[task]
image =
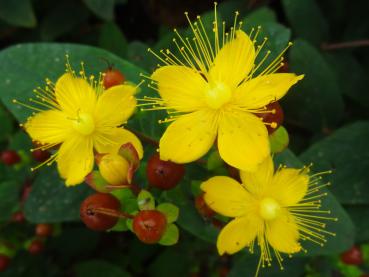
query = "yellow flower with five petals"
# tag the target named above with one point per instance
(211, 93)
(77, 114)
(277, 210)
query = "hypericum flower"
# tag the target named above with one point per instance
(275, 209)
(211, 91)
(79, 115)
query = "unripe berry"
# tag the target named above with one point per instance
(113, 77)
(36, 247)
(273, 117)
(4, 262)
(40, 155)
(43, 230)
(352, 256)
(91, 211)
(164, 174)
(10, 157)
(202, 207)
(149, 226)
(114, 169)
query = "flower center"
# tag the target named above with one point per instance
(84, 124)
(269, 208)
(218, 95)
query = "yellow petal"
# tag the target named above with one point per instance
(74, 95)
(226, 196)
(242, 140)
(115, 105)
(289, 186)
(189, 137)
(75, 159)
(238, 234)
(282, 233)
(257, 181)
(181, 88)
(110, 140)
(51, 127)
(263, 90)
(234, 61)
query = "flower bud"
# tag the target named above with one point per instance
(114, 169)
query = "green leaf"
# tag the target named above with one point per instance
(315, 102)
(56, 23)
(51, 201)
(343, 228)
(129, 223)
(260, 16)
(170, 211)
(306, 20)
(24, 72)
(9, 199)
(354, 85)
(145, 200)
(102, 8)
(99, 268)
(112, 39)
(279, 140)
(7, 124)
(18, 13)
(137, 53)
(246, 264)
(346, 152)
(170, 236)
(357, 213)
(214, 161)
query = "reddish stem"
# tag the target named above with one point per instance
(347, 44)
(113, 213)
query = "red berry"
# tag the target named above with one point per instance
(94, 219)
(202, 207)
(164, 174)
(352, 256)
(36, 247)
(44, 230)
(149, 226)
(18, 217)
(4, 262)
(274, 117)
(113, 77)
(10, 157)
(40, 155)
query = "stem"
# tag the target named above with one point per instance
(112, 213)
(347, 44)
(144, 137)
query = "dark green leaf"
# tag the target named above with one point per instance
(102, 8)
(346, 152)
(99, 268)
(51, 201)
(306, 20)
(56, 23)
(18, 13)
(357, 214)
(9, 198)
(112, 39)
(315, 102)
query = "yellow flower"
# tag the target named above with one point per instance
(275, 209)
(79, 115)
(211, 92)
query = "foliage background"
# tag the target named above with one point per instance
(326, 114)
